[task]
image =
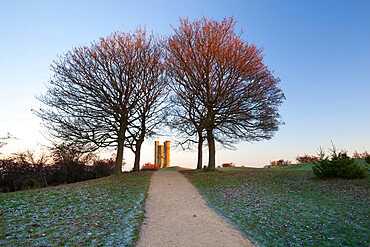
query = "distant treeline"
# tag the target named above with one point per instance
(21, 172)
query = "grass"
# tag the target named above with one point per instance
(289, 207)
(299, 166)
(103, 212)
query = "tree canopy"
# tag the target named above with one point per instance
(214, 71)
(113, 92)
(99, 91)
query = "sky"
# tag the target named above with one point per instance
(320, 49)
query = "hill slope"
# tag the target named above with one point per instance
(106, 211)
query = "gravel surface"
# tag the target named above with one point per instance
(177, 215)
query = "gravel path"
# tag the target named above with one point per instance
(177, 215)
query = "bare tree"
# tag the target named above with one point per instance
(27, 163)
(224, 76)
(150, 110)
(69, 152)
(95, 91)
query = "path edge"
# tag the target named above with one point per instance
(138, 236)
(219, 214)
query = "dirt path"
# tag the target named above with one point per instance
(177, 215)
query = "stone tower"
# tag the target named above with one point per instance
(162, 154)
(166, 153)
(160, 157)
(156, 144)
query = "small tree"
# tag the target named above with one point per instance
(339, 164)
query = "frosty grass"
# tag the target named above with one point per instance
(104, 212)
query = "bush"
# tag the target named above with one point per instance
(280, 163)
(17, 173)
(149, 167)
(226, 165)
(283, 162)
(24, 171)
(102, 168)
(367, 159)
(360, 155)
(338, 165)
(306, 158)
(68, 172)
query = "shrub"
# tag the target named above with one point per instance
(102, 168)
(306, 158)
(280, 162)
(367, 159)
(338, 165)
(24, 171)
(149, 167)
(361, 155)
(225, 165)
(69, 172)
(283, 162)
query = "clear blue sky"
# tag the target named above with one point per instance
(320, 49)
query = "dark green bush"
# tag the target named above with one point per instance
(338, 165)
(367, 159)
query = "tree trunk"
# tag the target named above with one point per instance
(211, 150)
(137, 156)
(138, 146)
(119, 158)
(200, 152)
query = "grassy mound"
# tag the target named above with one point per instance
(289, 207)
(307, 165)
(107, 211)
(174, 168)
(235, 168)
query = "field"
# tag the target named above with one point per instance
(107, 211)
(289, 207)
(273, 207)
